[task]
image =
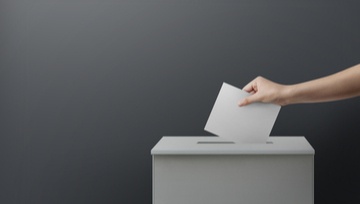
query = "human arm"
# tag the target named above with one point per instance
(341, 85)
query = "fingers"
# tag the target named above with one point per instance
(243, 102)
(250, 87)
(253, 85)
(250, 99)
(257, 88)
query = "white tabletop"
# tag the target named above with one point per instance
(195, 145)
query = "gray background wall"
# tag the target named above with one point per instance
(87, 88)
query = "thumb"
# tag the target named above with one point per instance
(249, 100)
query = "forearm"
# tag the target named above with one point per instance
(341, 85)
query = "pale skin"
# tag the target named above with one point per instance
(341, 85)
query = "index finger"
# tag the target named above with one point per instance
(249, 87)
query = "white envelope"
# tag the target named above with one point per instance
(247, 124)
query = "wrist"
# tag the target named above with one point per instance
(287, 95)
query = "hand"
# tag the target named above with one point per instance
(266, 91)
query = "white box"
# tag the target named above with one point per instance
(208, 170)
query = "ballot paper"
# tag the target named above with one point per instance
(247, 124)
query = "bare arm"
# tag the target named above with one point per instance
(341, 85)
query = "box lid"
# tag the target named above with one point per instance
(195, 145)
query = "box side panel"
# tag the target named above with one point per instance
(313, 179)
(247, 179)
(153, 179)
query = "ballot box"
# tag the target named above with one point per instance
(210, 170)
